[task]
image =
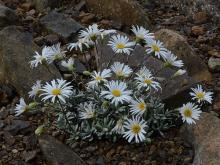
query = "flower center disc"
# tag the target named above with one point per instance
(141, 106)
(119, 73)
(120, 46)
(136, 128)
(188, 113)
(116, 92)
(200, 95)
(155, 48)
(98, 78)
(56, 92)
(148, 81)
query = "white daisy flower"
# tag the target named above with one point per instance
(171, 60)
(80, 44)
(135, 129)
(87, 110)
(180, 72)
(40, 59)
(200, 95)
(147, 81)
(57, 89)
(21, 107)
(68, 64)
(142, 34)
(35, 89)
(121, 44)
(107, 32)
(56, 53)
(157, 48)
(121, 70)
(91, 33)
(190, 112)
(119, 127)
(98, 77)
(138, 107)
(144, 72)
(117, 92)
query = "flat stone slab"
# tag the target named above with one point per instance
(205, 139)
(16, 51)
(56, 153)
(60, 24)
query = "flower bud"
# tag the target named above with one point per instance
(39, 130)
(32, 105)
(86, 73)
(180, 72)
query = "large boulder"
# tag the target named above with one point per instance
(57, 153)
(175, 91)
(16, 51)
(58, 23)
(126, 12)
(7, 17)
(205, 138)
(179, 46)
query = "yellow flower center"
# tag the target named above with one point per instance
(120, 46)
(136, 128)
(119, 73)
(116, 92)
(93, 37)
(200, 95)
(98, 78)
(155, 48)
(141, 106)
(56, 92)
(188, 113)
(148, 81)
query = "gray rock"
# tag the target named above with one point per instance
(214, 64)
(58, 23)
(2, 124)
(100, 161)
(57, 153)
(172, 88)
(16, 50)
(7, 17)
(205, 138)
(126, 12)
(17, 126)
(178, 45)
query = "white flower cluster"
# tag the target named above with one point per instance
(117, 100)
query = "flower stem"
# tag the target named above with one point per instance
(48, 69)
(96, 55)
(64, 114)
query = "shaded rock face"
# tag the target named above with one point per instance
(189, 7)
(41, 5)
(126, 12)
(175, 91)
(57, 153)
(60, 24)
(179, 46)
(7, 17)
(205, 138)
(16, 51)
